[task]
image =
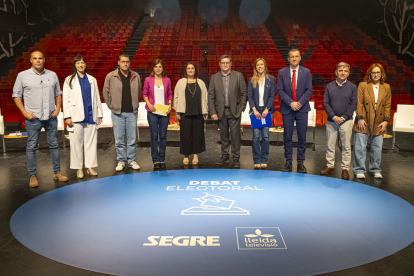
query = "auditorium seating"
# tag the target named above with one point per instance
(183, 40)
(98, 36)
(101, 37)
(323, 45)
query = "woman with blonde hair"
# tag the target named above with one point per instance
(261, 95)
(372, 117)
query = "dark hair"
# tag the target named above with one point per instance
(185, 70)
(123, 55)
(155, 63)
(74, 70)
(293, 50)
(225, 56)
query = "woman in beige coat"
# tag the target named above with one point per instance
(372, 117)
(190, 104)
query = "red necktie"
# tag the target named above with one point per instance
(294, 85)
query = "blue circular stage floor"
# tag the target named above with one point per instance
(215, 222)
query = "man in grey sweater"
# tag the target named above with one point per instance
(340, 102)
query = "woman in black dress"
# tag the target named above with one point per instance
(191, 106)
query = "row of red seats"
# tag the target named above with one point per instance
(99, 37)
(322, 58)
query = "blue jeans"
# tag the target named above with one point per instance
(158, 125)
(260, 150)
(125, 122)
(361, 140)
(33, 128)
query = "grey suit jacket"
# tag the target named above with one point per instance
(237, 94)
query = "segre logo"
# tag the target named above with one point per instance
(253, 238)
(183, 241)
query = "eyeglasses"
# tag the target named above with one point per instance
(225, 63)
(375, 73)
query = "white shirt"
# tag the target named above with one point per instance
(376, 95)
(261, 93)
(159, 94)
(340, 85)
(291, 75)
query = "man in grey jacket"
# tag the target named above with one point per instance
(121, 92)
(227, 99)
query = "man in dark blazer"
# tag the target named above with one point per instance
(294, 86)
(227, 99)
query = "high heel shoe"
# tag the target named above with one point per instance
(185, 161)
(91, 172)
(79, 174)
(195, 159)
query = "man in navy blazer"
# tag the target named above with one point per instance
(294, 86)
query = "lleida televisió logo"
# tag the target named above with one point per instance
(259, 238)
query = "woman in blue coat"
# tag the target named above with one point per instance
(261, 95)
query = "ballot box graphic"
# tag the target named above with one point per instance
(214, 205)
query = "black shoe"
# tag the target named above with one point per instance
(162, 165)
(222, 160)
(287, 167)
(156, 166)
(301, 168)
(236, 163)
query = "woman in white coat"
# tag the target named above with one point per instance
(82, 111)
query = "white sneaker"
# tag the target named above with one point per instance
(134, 165)
(120, 166)
(360, 175)
(377, 175)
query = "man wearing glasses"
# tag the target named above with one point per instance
(121, 93)
(42, 96)
(227, 100)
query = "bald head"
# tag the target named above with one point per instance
(38, 52)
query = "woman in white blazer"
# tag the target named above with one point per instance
(82, 111)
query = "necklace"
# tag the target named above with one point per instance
(189, 89)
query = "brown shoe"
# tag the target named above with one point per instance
(33, 182)
(59, 176)
(345, 175)
(91, 172)
(327, 171)
(195, 159)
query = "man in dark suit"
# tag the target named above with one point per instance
(227, 99)
(294, 86)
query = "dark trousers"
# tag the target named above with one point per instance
(228, 121)
(301, 119)
(192, 134)
(158, 125)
